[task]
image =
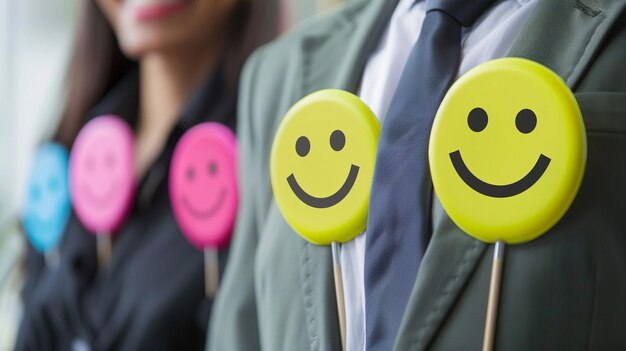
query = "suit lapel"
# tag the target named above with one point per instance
(575, 33)
(563, 35)
(334, 57)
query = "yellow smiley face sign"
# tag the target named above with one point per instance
(322, 164)
(507, 150)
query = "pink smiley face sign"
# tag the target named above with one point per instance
(203, 184)
(102, 176)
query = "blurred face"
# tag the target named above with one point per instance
(144, 26)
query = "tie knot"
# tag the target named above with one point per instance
(465, 12)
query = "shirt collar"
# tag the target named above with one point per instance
(210, 101)
(406, 5)
(122, 100)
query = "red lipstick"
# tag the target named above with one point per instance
(159, 11)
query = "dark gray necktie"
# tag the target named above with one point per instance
(399, 209)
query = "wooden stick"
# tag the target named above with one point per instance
(494, 296)
(105, 248)
(211, 272)
(341, 306)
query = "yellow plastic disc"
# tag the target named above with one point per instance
(322, 164)
(507, 150)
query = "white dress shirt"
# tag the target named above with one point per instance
(490, 37)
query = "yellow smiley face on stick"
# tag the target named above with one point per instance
(322, 164)
(507, 150)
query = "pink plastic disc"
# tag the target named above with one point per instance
(203, 184)
(102, 175)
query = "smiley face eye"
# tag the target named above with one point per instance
(477, 119)
(190, 174)
(526, 121)
(337, 140)
(212, 168)
(303, 146)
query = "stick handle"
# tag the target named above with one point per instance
(341, 306)
(211, 272)
(494, 296)
(105, 248)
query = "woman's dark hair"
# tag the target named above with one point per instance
(98, 63)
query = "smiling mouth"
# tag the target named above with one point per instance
(324, 202)
(500, 191)
(100, 201)
(201, 214)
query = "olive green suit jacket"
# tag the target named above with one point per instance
(563, 291)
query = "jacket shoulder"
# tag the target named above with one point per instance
(271, 77)
(284, 52)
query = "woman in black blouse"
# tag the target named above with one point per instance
(163, 66)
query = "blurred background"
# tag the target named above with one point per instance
(36, 39)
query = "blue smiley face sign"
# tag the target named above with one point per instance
(47, 205)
